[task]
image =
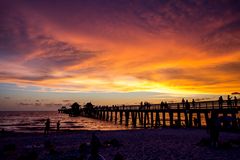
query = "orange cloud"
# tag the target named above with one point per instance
(153, 48)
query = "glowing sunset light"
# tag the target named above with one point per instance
(88, 47)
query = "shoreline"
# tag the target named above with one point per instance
(166, 143)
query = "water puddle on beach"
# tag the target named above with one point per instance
(35, 122)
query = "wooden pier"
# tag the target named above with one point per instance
(172, 115)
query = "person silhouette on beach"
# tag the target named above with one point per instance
(118, 157)
(47, 126)
(183, 102)
(238, 122)
(95, 145)
(58, 125)
(220, 102)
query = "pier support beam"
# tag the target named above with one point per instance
(140, 118)
(152, 120)
(186, 118)
(134, 119)
(104, 116)
(157, 121)
(116, 116)
(164, 119)
(171, 118)
(107, 117)
(199, 119)
(145, 119)
(111, 116)
(126, 117)
(190, 118)
(121, 114)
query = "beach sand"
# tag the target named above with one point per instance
(148, 144)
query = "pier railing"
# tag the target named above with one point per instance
(196, 105)
(146, 115)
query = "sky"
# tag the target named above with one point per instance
(53, 53)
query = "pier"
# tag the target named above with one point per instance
(170, 115)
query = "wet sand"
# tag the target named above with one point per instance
(146, 144)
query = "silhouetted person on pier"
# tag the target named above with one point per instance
(214, 129)
(193, 103)
(146, 105)
(229, 101)
(47, 126)
(187, 105)
(166, 105)
(58, 125)
(235, 101)
(162, 105)
(183, 102)
(141, 105)
(220, 102)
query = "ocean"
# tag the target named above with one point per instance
(34, 121)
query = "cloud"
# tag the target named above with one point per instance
(53, 104)
(25, 104)
(32, 55)
(55, 54)
(67, 100)
(229, 68)
(224, 39)
(127, 46)
(38, 104)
